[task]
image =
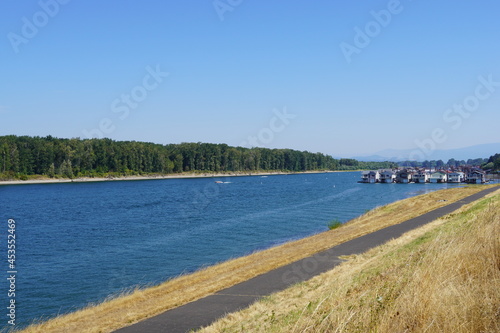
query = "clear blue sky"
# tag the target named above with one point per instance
(67, 67)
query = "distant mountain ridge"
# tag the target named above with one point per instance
(398, 155)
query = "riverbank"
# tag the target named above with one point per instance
(145, 303)
(441, 277)
(187, 175)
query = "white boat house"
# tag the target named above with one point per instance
(456, 177)
(387, 176)
(421, 177)
(438, 177)
(371, 176)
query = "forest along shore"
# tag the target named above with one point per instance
(33, 158)
(152, 177)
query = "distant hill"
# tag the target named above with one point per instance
(397, 155)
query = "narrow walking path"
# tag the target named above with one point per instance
(204, 311)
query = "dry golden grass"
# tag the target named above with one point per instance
(443, 277)
(142, 304)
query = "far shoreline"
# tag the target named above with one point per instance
(158, 176)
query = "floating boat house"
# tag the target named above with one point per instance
(410, 175)
(456, 177)
(387, 176)
(370, 176)
(438, 177)
(421, 177)
(404, 176)
(476, 177)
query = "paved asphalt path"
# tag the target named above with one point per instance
(205, 311)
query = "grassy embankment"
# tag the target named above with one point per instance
(443, 277)
(141, 304)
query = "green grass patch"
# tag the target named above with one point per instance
(334, 224)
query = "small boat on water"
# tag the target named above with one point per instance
(219, 182)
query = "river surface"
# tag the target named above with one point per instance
(79, 243)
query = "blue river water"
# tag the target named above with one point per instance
(79, 243)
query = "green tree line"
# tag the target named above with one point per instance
(441, 164)
(24, 156)
(352, 164)
(493, 163)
